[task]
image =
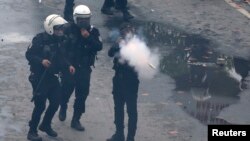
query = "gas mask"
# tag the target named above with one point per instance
(83, 23)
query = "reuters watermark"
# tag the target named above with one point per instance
(241, 132)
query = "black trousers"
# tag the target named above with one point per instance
(48, 89)
(80, 82)
(121, 4)
(125, 91)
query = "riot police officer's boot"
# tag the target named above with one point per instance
(63, 113)
(118, 136)
(131, 130)
(75, 123)
(130, 138)
(47, 129)
(33, 136)
(126, 15)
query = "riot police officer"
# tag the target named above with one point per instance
(125, 89)
(85, 42)
(46, 60)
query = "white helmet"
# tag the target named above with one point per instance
(81, 11)
(51, 21)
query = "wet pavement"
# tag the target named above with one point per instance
(216, 20)
(197, 84)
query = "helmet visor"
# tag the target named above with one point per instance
(58, 30)
(83, 22)
(58, 27)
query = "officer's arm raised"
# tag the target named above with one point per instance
(94, 40)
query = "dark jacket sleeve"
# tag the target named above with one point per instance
(64, 60)
(32, 54)
(94, 41)
(68, 11)
(69, 43)
(66, 52)
(113, 50)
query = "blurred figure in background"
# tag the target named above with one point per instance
(120, 5)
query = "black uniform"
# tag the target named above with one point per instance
(82, 53)
(44, 81)
(125, 91)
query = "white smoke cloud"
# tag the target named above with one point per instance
(138, 55)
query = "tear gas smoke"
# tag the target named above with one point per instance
(138, 55)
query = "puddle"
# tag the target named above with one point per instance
(206, 81)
